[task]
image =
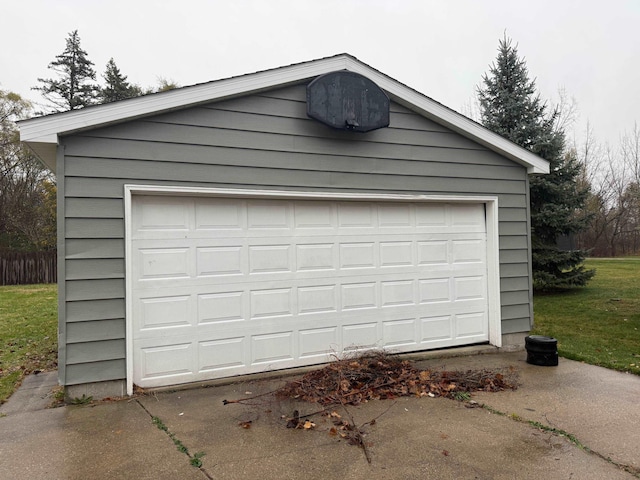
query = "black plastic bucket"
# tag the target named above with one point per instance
(541, 350)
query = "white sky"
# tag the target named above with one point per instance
(440, 48)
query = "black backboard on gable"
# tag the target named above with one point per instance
(347, 101)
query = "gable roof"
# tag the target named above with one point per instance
(41, 133)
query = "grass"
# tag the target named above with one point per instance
(195, 459)
(28, 333)
(599, 324)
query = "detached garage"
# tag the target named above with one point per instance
(271, 220)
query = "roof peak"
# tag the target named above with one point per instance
(41, 134)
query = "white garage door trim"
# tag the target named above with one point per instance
(491, 209)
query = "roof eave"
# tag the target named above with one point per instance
(41, 134)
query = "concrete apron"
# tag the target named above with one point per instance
(411, 438)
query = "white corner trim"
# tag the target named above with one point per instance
(46, 130)
(128, 214)
(493, 272)
(491, 209)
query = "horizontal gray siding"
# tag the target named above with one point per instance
(96, 371)
(78, 311)
(95, 331)
(263, 141)
(95, 268)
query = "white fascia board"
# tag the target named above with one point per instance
(451, 119)
(37, 132)
(45, 130)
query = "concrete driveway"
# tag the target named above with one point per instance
(411, 438)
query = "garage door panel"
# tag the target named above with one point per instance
(394, 215)
(163, 263)
(397, 292)
(317, 299)
(271, 259)
(272, 347)
(166, 360)
(316, 216)
(164, 312)
(316, 256)
(402, 332)
(433, 252)
(220, 215)
(434, 290)
(222, 307)
(318, 342)
(358, 296)
(469, 288)
(220, 261)
(470, 325)
(358, 336)
(468, 251)
(161, 213)
(357, 255)
(226, 286)
(222, 354)
(273, 302)
(469, 216)
(270, 215)
(396, 253)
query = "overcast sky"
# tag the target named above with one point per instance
(441, 48)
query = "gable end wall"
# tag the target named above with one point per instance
(263, 141)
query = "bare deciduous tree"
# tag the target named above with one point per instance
(27, 190)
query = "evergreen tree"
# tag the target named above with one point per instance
(510, 106)
(73, 88)
(116, 85)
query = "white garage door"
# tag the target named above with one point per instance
(227, 286)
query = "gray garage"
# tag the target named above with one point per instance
(224, 228)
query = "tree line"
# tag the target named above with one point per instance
(74, 85)
(591, 195)
(27, 188)
(613, 205)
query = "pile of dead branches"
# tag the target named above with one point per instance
(373, 376)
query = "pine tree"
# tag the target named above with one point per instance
(73, 88)
(116, 85)
(511, 106)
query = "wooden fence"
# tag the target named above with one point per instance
(20, 268)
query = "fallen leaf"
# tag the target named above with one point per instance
(308, 425)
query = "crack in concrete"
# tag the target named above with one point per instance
(194, 459)
(569, 436)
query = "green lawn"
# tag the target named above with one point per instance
(28, 333)
(599, 324)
